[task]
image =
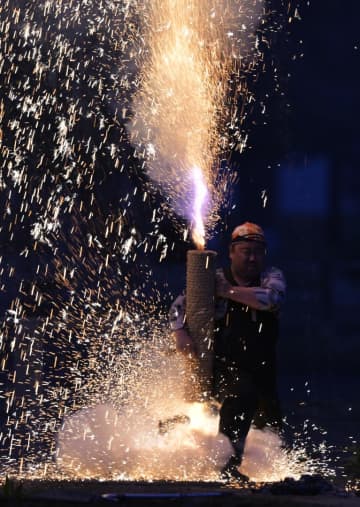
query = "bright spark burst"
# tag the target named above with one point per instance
(267, 459)
(192, 450)
(187, 60)
(75, 270)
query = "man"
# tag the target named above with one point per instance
(246, 332)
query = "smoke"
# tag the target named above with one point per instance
(104, 443)
(128, 441)
(140, 426)
(268, 459)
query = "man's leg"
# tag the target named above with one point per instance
(269, 410)
(236, 414)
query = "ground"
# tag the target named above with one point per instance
(55, 493)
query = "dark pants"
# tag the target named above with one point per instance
(246, 397)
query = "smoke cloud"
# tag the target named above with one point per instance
(124, 438)
(104, 443)
(142, 428)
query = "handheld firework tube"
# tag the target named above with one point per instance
(200, 307)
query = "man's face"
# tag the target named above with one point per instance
(247, 259)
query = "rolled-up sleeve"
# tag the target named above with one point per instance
(273, 289)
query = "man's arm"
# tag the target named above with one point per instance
(268, 297)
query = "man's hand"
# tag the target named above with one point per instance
(184, 343)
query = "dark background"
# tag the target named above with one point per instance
(303, 153)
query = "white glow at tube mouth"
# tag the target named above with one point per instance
(200, 200)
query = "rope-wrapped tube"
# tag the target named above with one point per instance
(200, 309)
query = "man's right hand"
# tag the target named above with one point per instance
(184, 343)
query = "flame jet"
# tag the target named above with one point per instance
(179, 109)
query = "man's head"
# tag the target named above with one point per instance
(247, 251)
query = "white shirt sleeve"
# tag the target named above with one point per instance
(272, 291)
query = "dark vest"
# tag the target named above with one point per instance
(245, 338)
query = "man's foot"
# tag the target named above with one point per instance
(231, 474)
